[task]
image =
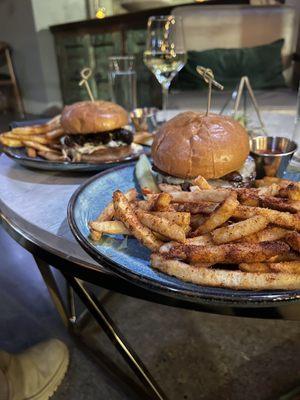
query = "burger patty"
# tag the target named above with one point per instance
(118, 135)
(241, 178)
(76, 147)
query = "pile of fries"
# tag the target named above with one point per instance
(237, 238)
(39, 140)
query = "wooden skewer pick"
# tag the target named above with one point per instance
(208, 77)
(85, 74)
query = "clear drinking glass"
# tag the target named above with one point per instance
(122, 81)
(296, 135)
(165, 53)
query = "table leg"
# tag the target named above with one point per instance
(53, 289)
(115, 336)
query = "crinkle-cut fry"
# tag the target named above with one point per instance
(292, 191)
(202, 183)
(219, 216)
(254, 267)
(212, 195)
(108, 213)
(201, 207)
(182, 219)
(226, 253)
(293, 239)
(162, 202)
(224, 278)
(278, 218)
(161, 225)
(239, 230)
(31, 152)
(109, 227)
(270, 233)
(167, 188)
(125, 213)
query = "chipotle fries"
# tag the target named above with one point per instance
(227, 245)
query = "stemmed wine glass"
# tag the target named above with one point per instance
(165, 53)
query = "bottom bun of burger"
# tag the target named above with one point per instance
(106, 155)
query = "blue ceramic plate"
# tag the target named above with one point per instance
(19, 155)
(130, 260)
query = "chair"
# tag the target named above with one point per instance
(10, 78)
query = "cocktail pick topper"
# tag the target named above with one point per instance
(85, 74)
(208, 77)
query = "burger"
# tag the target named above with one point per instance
(213, 146)
(95, 132)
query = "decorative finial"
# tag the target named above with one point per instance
(208, 77)
(85, 74)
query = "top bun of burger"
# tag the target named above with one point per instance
(87, 117)
(193, 144)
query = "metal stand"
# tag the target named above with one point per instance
(68, 315)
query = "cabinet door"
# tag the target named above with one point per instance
(103, 46)
(73, 55)
(135, 45)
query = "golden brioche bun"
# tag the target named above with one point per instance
(93, 117)
(109, 154)
(193, 144)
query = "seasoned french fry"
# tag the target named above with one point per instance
(268, 234)
(95, 236)
(213, 195)
(125, 213)
(161, 225)
(293, 239)
(292, 191)
(278, 218)
(288, 267)
(200, 240)
(225, 278)
(226, 253)
(109, 227)
(218, 217)
(108, 213)
(239, 229)
(254, 267)
(202, 207)
(165, 187)
(31, 152)
(162, 202)
(179, 218)
(201, 183)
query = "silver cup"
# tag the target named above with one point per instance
(144, 119)
(272, 155)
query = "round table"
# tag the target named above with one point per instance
(33, 210)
